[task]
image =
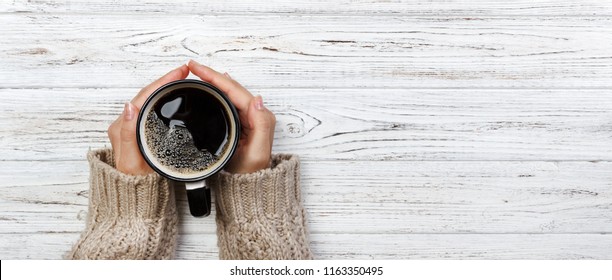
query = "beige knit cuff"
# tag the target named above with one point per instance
(267, 193)
(120, 195)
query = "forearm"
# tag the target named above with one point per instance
(261, 215)
(129, 217)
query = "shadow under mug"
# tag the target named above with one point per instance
(198, 194)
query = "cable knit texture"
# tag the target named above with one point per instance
(129, 217)
(260, 215)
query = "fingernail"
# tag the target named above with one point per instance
(195, 62)
(128, 111)
(227, 75)
(259, 103)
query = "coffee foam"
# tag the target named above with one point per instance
(184, 158)
(145, 134)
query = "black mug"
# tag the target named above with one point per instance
(187, 131)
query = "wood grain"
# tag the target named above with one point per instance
(369, 7)
(346, 124)
(363, 246)
(308, 51)
(461, 246)
(363, 197)
(427, 129)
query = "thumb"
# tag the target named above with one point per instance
(261, 133)
(130, 161)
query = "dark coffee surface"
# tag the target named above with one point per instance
(187, 130)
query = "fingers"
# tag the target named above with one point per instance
(122, 132)
(179, 73)
(130, 160)
(261, 134)
(240, 97)
(114, 131)
(258, 132)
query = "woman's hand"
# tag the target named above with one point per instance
(122, 132)
(255, 146)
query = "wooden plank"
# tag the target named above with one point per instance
(362, 246)
(346, 124)
(316, 51)
(461, 246)
(362, 197)
(36, 246)
(370, 7)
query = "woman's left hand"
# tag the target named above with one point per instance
(122, 132)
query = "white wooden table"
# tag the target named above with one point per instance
(427, 129)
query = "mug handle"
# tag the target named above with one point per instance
(198, 196)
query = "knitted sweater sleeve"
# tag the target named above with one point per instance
(129, 217)
(260, 215)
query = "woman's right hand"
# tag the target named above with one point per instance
(254, 149)
(255, 145)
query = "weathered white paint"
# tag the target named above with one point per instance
(368, 7)
(308, 51)
(404, 199)
(427, 129)
(347, 124)
(365, 246)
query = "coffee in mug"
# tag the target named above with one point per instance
(187, 131)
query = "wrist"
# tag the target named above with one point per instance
(116, 194)
(270, 191)
(247, 166)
